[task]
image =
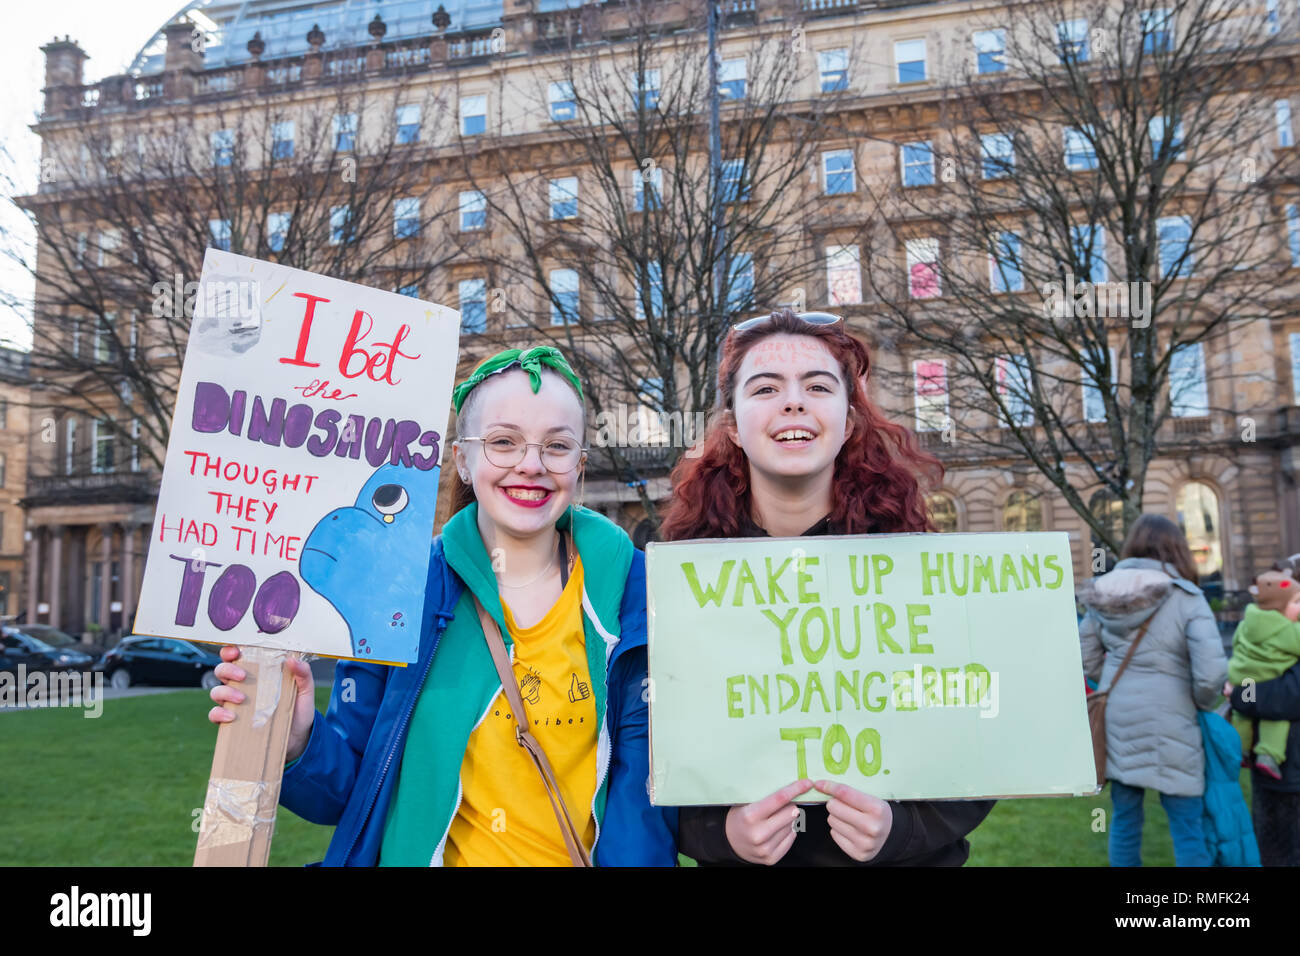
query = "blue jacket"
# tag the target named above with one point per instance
(347, 774)
(1228, 833)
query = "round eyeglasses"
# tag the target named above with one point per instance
(812, 318)
(507, 449)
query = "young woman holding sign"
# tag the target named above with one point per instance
(796, 448)
(475, 754)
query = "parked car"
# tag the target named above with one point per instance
(40, 650)
(159, 660)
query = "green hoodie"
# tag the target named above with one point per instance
(462, 682)
(1265, 645)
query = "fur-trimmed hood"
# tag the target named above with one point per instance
(1132, 592)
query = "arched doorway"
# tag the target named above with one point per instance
(943, 511)
(1198, 518)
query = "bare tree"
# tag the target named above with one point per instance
(1096, 196)
(620, 227)
(340, 186)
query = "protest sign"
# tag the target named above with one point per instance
(907, 666)
(298, 492)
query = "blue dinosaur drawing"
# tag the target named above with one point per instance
(370, 561)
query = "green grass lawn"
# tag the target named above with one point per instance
(126, 788)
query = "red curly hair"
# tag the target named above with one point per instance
(878, 472)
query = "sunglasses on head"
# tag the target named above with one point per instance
(812, 318)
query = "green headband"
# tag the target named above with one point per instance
(530, 361)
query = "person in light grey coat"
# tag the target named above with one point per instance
(1153, 738)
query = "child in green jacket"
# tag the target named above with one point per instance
(1267, 643)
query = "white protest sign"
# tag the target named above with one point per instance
(301, 479)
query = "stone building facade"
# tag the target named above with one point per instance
(87, 510)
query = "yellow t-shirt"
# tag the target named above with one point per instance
(505, 817)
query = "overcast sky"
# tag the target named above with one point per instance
(111, 33)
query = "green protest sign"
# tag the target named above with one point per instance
(908, 666)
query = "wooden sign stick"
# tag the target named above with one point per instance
(247, 765)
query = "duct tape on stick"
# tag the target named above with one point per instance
(234, 809)
(270, 668)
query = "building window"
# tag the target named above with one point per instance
(833, 67)
(1293, 232)
(923, 268)
(990, 51)
(473, 115)
(1005, 274)
(564, 293)
(408, 124)
(843, 275)
(1175, 246)
(1189, 395)
(918, 164)
(646, 86)
(1023, 511)
(740, 283)
(2, 480)
(1015, 384)
(563, 105)
(1198, 519)
(654, 285)
(1094, 404)
(735, 183)
(282, 140)
(909, 58)
(564, 198)
(406, 218)
(223, 147)
(473, 305)
(1108, 511)
(943, 512)
(731, 80)
(345, 132)
(102, 440)
(1079, 151)
(340, 224)
(135, 444)
(4, 413)
(997, 155)
(1282, 120)
(473, 210)
(277, 230)
(102, 348)
(930, 390)
(220, 231)
(1072, 40)
(1157, 31)
(109, 240)
(1273, 20)
(650, 404)
(69, 445)
(410, 291)
(837, 171)
(656, 192)
(1088, 241)
(1295, 367)
(1156, 131)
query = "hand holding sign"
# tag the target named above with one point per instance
(304, 705)
(763, 832)
(860, 823)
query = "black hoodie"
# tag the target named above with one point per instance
(924, 832)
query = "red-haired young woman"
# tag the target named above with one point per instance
(796, 448)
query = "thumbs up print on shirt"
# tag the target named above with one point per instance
(578, 690)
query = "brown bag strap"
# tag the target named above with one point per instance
(1129, 656)
(505, 670)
